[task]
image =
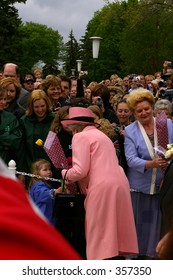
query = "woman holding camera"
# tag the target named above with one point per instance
(124, 118)
(100, 96)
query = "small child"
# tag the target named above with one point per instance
(41, 191)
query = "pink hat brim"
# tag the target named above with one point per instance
(69, 122)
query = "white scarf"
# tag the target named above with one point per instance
(151, 152)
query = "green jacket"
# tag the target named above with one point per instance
(32, 130)
(11, 146)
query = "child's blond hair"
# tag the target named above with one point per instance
(35, 169)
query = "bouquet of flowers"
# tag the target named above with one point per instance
(169, 152)
(166, 154)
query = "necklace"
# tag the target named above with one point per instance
(150, 134)
(151, 137)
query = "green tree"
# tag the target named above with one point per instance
(39, 43)
(137, 37)
(71, 54)
(50, 69)
(146, 40)
(108, 24)
(9, 38)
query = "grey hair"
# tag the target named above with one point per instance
(163, 104)
(79, 127)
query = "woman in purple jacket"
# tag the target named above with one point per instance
(145, 169)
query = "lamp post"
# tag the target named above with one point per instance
(95, 51)
(73, 72)
(79, 65)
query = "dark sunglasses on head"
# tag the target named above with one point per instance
(29, 83)
(80, 104)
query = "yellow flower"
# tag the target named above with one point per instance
(39, 142)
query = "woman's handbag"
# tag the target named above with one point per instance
(70, 218)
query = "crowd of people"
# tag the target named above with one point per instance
(108, 132)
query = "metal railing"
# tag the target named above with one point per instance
(12, 168)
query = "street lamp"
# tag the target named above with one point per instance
(95, 51)
(73, 72)
(79, 64)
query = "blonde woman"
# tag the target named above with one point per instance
(52, 87)
(144, 170)
(13, 89)
(35, 124)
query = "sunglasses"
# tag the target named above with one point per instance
(29, 83)
(80, 104)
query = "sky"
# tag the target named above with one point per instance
(61, 15)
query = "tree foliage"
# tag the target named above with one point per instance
(107, 24)
(147, 32)
(9, 35)
(39, 43)
(26, 44)
(50, 69)
(71, 54)
(137, 37)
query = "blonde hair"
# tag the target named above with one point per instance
(114, 76)
(116, 98)
(9, 80)
(149, 76)
(49, 81)
(92, 85)
(139, 95)
(2, 91)
(37, 71)
(37, 94)
(116, 89)
(96, 110)
(106, 127)
(35, 170)
(60, 115)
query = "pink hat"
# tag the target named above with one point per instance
(79, 115)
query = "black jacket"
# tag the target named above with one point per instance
(166, 200)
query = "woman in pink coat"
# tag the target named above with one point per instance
(109, 223)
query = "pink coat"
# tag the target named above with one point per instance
(109, 223)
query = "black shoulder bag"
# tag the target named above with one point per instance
(70, 218)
